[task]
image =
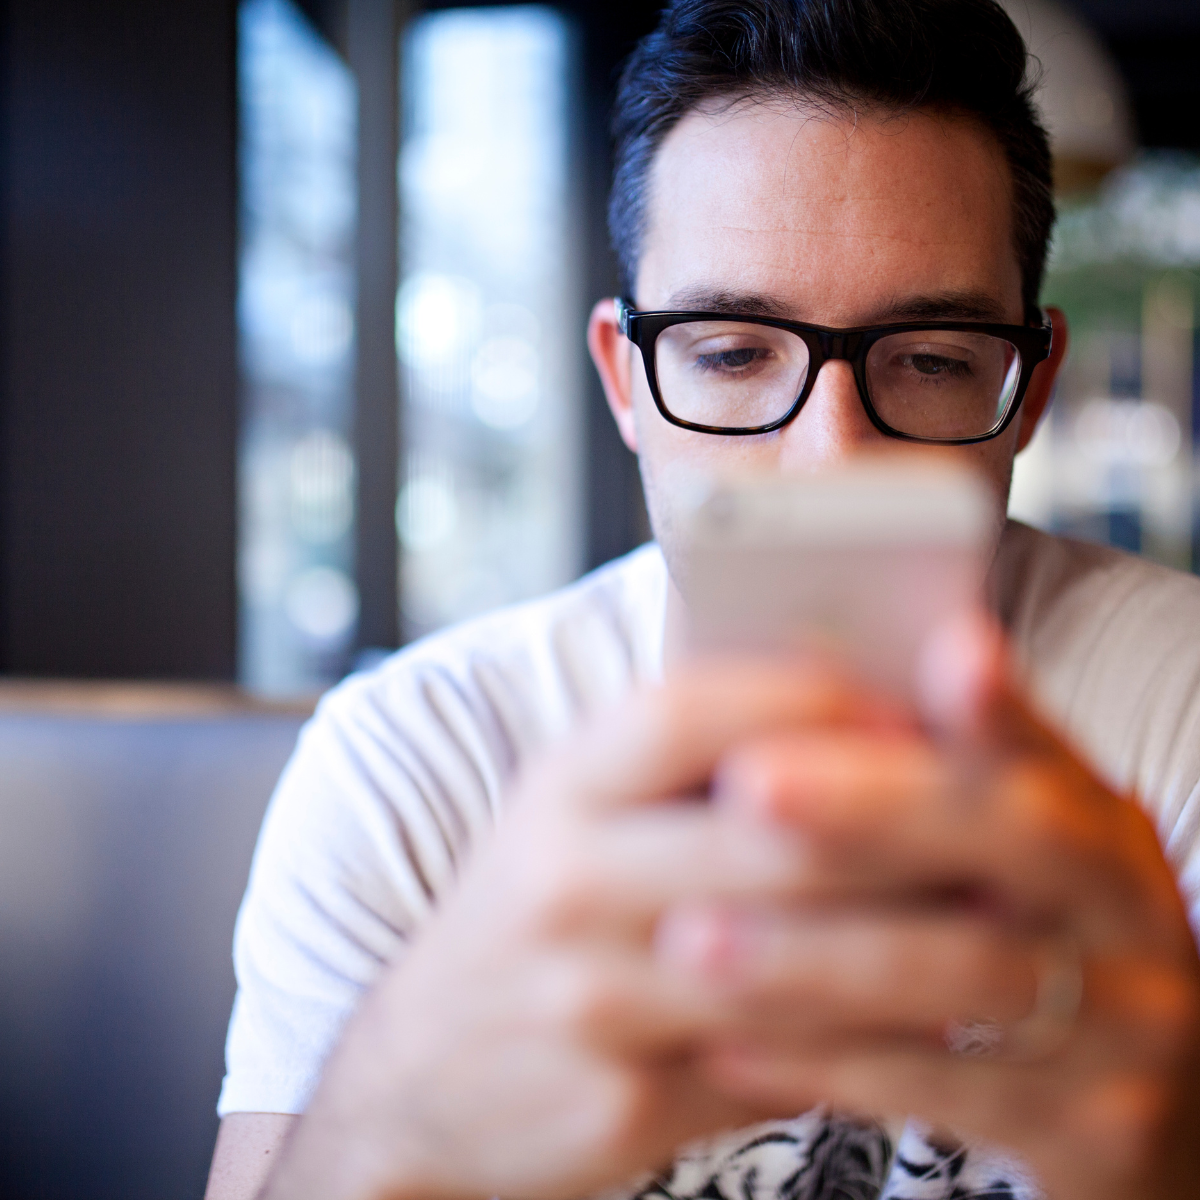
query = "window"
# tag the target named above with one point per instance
(489, 317)
(296, 334)
(1114, 461)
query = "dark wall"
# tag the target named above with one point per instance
(117, 467)
(616, 516)
(1157, 46)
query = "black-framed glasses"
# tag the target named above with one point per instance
(944, 382)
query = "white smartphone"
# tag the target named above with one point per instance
(860, 563)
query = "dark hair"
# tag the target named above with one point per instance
(957, 55)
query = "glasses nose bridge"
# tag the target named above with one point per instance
(838, 346)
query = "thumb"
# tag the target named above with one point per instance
(967, 690)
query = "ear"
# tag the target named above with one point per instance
(611, 352)
(1041, 386)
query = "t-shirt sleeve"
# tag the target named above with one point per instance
(390, 784)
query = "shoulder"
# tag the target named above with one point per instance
(1073, 607)
(1111, 645)
(1037, 571)
(531, 669)
(416, 754)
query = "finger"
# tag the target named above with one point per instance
(880, 815)
(967, 691)
(990, 1099)
(883, 813)
(800, 977)
(1136, 1014)
(837, 782)
(620, 874)
(619, 1001)
(665, 741)
(970, 695)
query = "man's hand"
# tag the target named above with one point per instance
(624, 968)
(533, 1042)
(950, 867)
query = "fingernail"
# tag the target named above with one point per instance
(740, 785)
(701, 941)
(955, 669)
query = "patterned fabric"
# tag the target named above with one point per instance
(823, 1157)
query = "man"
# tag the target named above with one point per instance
(594, 995)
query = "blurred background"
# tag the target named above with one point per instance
(294, 372)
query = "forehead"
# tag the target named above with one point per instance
(837, 217)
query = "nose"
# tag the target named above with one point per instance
(832, 426)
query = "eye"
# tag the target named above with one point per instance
(731, 360)
(938, 364)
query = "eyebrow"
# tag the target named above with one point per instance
(747, 304)
(945, 306)
(942, 306)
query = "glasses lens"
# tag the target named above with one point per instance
(940, 385)
(729, 375)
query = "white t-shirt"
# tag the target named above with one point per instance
(403, 770)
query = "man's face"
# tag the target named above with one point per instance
(828, 221)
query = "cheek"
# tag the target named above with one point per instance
(673, 461)
(665, 450)
(670, 460)
(993, 461)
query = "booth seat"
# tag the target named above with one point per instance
(128, 817)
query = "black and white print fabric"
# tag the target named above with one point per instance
(823, 1157)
